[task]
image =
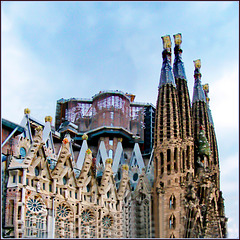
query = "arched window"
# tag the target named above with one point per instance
(36, 171)
(172, 236)
(89, 187)
(172, 202)
(64, 180)
(172, 222)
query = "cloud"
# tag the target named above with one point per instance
(233, 229)
(225, 100)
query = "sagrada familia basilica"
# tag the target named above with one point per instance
(115, 168)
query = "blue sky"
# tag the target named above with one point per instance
(53, 50)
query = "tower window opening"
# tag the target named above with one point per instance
(168, 161)
(172, 202)
(175, 159)
(162, 162)
(188, 157)
(183, 160)
(172, 222)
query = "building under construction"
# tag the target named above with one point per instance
(108, 112)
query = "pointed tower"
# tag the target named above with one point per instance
(187, 152)
(167, 145)
(199, 107)
(213, 140)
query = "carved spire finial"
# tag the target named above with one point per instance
(178, 39)
(197, 63)
(27, 111)
(166, 42)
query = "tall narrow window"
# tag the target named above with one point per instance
(175, 159)
(172, 202)
(188, 157)
(183, 160)
(168, 161)
(14, 178)
(88, 187)
(36, 171)
(156, 167)
(172, 222)
(162, 162)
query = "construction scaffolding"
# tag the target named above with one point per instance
(111, 109)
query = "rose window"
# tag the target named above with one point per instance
(34, 205)
(107, 221)
(62, 211)
(87, 216)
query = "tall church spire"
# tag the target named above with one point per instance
(206, 91)
(213, 139)
(167, 154)
(178, 66)
(182, 89)
(198, 93)
(166, 71)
